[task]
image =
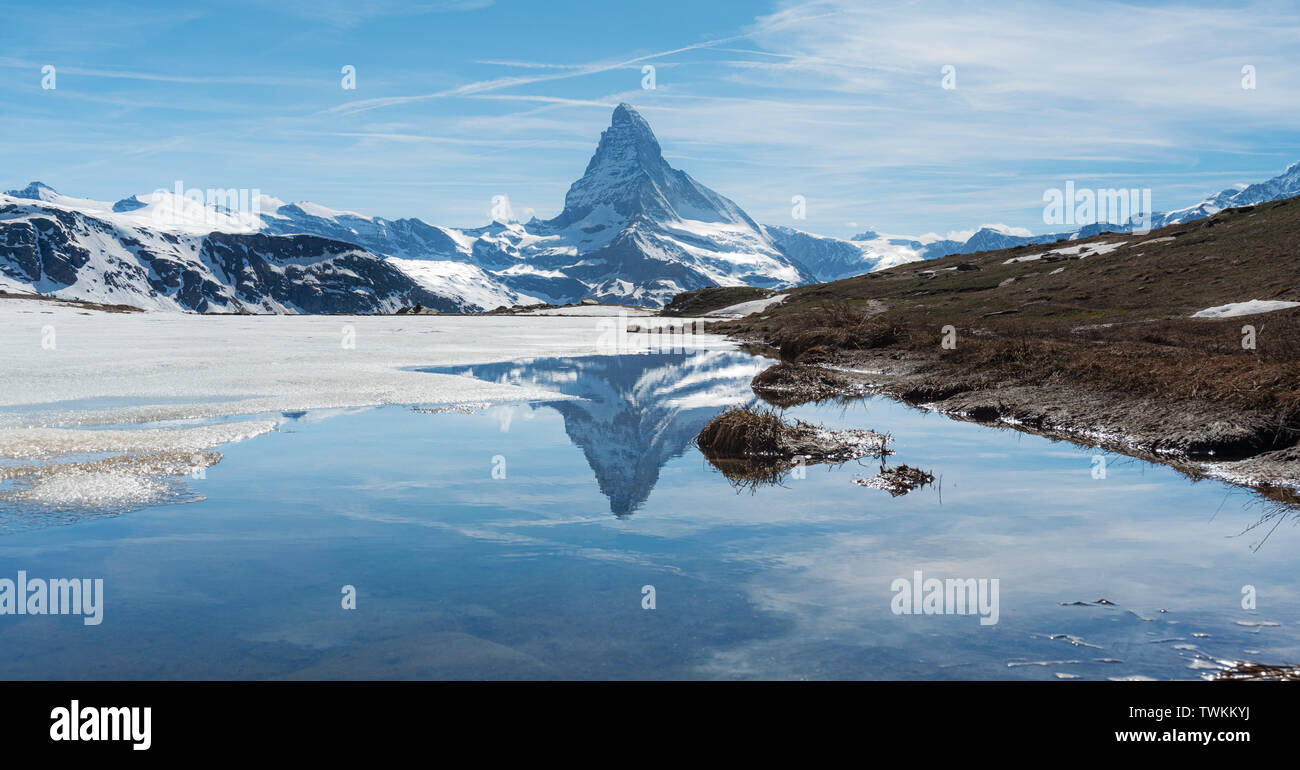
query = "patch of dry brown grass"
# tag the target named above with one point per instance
(1172, 360)
(837, 326)
(788, 384)
(743, 432)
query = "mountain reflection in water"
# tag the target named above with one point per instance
(631, 414)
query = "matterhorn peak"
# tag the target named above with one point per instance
(628, 181)
(627, 146)
(626, 121)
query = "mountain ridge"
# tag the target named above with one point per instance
(633, 230)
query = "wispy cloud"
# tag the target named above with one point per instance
(497, 84)
(536, 65)
(347, 13)
(163, 77)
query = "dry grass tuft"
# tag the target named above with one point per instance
(743, 432)
(788, 384)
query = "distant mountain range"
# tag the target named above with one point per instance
(1284, 185)
(633, 230)
(993, 238)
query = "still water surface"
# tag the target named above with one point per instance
(538, 570)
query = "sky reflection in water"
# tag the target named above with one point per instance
(540, 574)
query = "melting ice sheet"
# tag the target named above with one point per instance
(106, 412)
(177, 366)
(52, 475)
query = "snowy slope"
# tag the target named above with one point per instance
(51, 249)
(830, 259)
(469, 282)
(161, 211)
(1250, 307)
(992, 237)
(633, 230)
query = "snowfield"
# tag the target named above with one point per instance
(469, 282)
(158, 380)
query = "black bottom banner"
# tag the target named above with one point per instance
(1042, 721)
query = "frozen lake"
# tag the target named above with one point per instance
(514, 537)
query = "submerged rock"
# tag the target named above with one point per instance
(898, 480)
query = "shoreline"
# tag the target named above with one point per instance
(1167, 434)
(1118, 347)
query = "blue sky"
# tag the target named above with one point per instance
(840, 102)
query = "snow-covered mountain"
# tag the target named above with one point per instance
(1284, 185)
(993, 237)
(989, 237)
(55, 246)
(830, 259)
(637, 230)
(633, 230)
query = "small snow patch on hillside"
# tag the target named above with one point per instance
(753, 306)
(1251, 307)
(1081, 251)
